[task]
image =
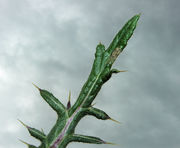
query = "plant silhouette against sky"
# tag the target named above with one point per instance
(63, 132)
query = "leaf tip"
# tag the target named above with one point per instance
(69, 97)
(139, 14)
(36, 87)
(117, 71)
(93, 104)
(69, 100)
(23, 142)
(100, 43)
(115, 120)
(122, 70)
(42, 130)
(110, 143)
(22, 123)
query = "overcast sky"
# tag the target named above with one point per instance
(52, 43)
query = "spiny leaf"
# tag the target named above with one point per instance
(104, 59)
(63, 132)
(34, 132)
(107, 76)
(29, 145)
(97, 113)
(122, 37)
(52, 101)
(87, 139)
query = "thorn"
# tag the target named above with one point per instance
(110, 143)
(42, 131)
(69, 98)
(23, 142)
(93, 104)
(69, 101)
(117, 71)
(36, 87)
(122, 71)
(100, 43)
(22, 123)
(115, 121)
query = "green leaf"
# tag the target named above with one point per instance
(101, 70)
(97, 113)
(122, 37)
(29, 145)
(62, 132)
(34, 132)
(86, 139)
(52, 101)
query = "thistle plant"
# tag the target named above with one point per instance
(63, 132)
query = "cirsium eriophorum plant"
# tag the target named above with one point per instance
(63, 131)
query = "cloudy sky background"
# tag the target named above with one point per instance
(52, 43)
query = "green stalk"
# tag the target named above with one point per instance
(63, 131)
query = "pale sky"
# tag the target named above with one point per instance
(52, 42)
